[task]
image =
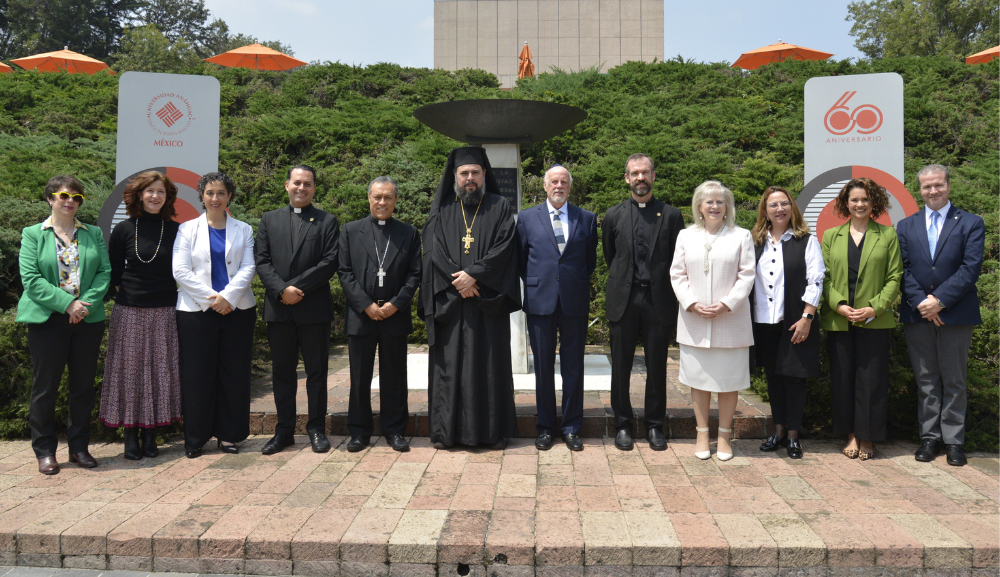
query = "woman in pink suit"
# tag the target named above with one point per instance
(712, 274)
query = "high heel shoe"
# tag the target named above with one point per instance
(231, 449)
(702, 454)
(719, 454)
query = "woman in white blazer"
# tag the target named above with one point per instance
(213, 265)
(712, 274)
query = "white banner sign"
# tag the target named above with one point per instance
(168, 123)
(853, 129)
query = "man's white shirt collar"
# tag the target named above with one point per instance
(943, 212)
(561, 210)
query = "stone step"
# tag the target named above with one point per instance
(515, 512)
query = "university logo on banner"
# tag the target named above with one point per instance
(168, 123)
(853, 129)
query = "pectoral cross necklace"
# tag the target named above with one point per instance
(381, 271)
(467, 239)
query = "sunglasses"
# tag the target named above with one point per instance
(67, 196)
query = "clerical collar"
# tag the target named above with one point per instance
(298, 210)
(642, 204)
(380, 222)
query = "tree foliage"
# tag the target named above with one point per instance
(698, 121)
(892, 28)
(145, 49)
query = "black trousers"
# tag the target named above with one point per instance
(787, 394)
(287, 339)
(859, 381)
(572, 340)
(392, 384)
(215, 354)
(55, 344)
(639, 322)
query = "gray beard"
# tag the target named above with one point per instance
(649, 185)
(469, 198)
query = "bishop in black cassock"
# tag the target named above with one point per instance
(469, 288)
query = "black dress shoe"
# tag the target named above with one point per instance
(544, 441)
(358, 443)
(192, 453)
(929, 448)
(794, 449)
(132, 450)
(657, 441)
(398, 443)
(772, 443)
(623, 440)
(83, 459)
(573, 441)
(48, 465)
(231, 449)
(149, 448)
(319, 442)
(955, 455)
(276, 444)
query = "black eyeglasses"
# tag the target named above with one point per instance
(66, 196)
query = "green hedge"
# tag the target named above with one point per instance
(698, 121)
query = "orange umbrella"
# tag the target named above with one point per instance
(256, 57)
(984, 56)
(525, 69)
(64, 60)
(777, 53)
(4, 69)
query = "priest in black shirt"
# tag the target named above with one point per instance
(296, 256)
(379, 270)
(470, 286)
(639, 235)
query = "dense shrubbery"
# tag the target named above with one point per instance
(698, 121)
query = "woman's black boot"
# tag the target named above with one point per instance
(149, 443)
(132, 450)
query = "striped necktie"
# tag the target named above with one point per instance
(557, 228)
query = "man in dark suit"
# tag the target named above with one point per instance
(639, 236)
(558, 253)
(296, 255)
(942, 249)
(380, 271)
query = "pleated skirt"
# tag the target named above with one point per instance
(141, 370)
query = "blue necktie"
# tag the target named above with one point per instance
(932, 233)
(557, 228)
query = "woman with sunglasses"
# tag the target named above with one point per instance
(216, 313)
(141, 374)
(787, 289)
(65, 272)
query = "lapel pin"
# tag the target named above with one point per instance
(311, 219)
(657, 214)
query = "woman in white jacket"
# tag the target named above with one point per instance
(213, 265)
(712, 274)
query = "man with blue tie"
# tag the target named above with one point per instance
(942, 248)
(558, 253)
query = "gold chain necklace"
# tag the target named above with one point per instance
(467, 239)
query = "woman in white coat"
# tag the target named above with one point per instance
(213, 265)
(712, 274)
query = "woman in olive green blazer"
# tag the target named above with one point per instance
(863, 273)
(65, 272)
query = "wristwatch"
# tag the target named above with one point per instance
(940, 304)
(809, 316)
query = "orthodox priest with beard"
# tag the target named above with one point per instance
(469, 288)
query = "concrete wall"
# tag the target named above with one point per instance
(569, 34)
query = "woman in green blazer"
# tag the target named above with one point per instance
(65, 271)
(863, 272)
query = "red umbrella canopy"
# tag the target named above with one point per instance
(4, 69)
(984, 56)
(777, 53)
(61, 61)
(257, 57)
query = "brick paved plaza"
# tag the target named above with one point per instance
(514, 512)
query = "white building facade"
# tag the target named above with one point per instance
(568, 34)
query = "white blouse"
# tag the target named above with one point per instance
(769, 293)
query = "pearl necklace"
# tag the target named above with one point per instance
(162, 226)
